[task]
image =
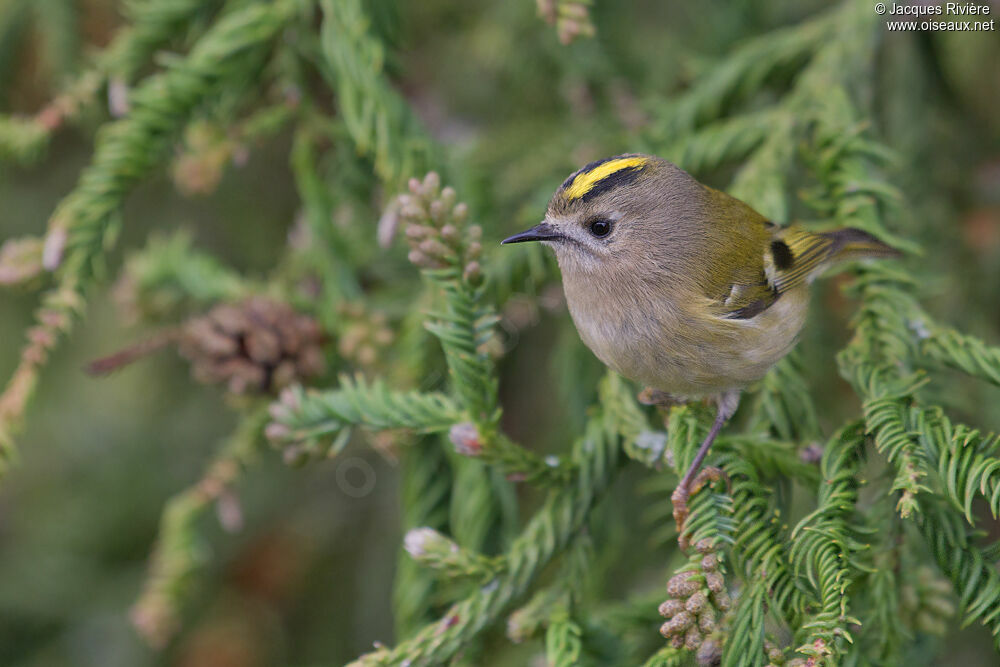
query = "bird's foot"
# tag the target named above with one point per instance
(680, 496)
(711, 474)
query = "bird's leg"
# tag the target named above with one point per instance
(726, 406)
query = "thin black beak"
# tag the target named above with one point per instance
(540, 232)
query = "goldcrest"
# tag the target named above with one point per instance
(681, 287)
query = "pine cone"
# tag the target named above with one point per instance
(257, 345)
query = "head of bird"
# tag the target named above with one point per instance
(624, 218)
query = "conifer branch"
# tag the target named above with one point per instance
(426, 490)
(312, 421)
(745, 644)
(379, 122)
(972, 572)
(966, 461)
(822, 550)
(86, 220)
(966, 353)
(180, 552)
(432, 549)
(547, 534)
(152, 23)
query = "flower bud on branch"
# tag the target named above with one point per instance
(434, 226)
(431, 548)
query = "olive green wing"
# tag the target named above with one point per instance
(788, 260)
(792, 258)
(754, 261)
(735, 280)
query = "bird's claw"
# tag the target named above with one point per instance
(711, 474)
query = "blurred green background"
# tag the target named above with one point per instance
(307, 580)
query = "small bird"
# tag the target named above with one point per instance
(681, 287)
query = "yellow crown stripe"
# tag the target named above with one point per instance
(584, 182)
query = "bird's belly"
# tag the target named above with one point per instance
(686, 355)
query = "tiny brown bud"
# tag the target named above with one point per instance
(696, 602)
(416, 232)
(41, 336)
(692, 639)
(276, 432)
(682, 585)
(715, 582)
(434, 248)
(705, 546)
(436, 211)
(450, 233)
(413, 212)
(706, 620)
(472, 272)
(671, 607)
(459, 214)
(722, 601)
(683, 620)
(677, 624)
(432, 182)
(290, 399)
(418, 258)
(710, 563)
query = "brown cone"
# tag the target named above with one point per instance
(257, 345)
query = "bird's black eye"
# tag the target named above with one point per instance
(600, 227)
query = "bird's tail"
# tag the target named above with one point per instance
(850, 243)
(797, 255)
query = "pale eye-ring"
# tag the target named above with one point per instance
(600, 227)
